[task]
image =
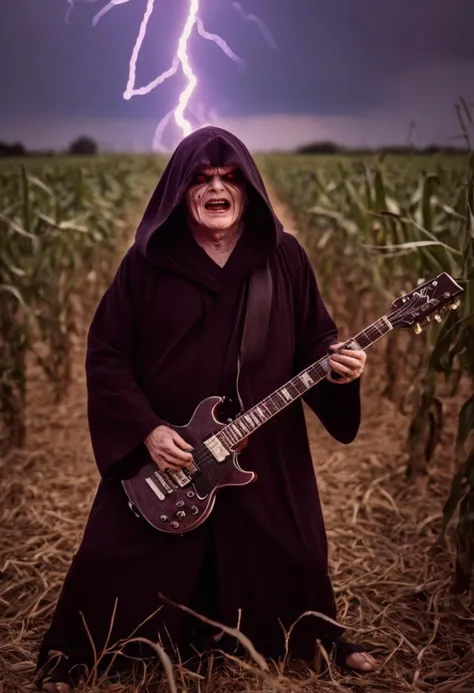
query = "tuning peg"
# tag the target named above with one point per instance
(438, 317)
(455, 305)
(418, 328)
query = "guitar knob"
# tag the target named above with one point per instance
(190, 494)
(180, 504)
(438, 318)
(164, 518)
(194, 510)
(418, 328)
(180, 514)
(175, 524)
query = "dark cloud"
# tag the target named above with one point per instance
(335, 57)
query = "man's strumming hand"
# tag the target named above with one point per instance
(167, 449)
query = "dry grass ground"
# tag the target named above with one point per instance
(392, 594)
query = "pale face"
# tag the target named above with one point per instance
(216, 199)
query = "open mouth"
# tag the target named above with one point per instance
(217, 205)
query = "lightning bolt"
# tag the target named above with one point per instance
(180, 61)
(261, 25)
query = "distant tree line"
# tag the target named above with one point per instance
(82, 146)
(87, 146)
(327, 147)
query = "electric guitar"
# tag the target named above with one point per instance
(178, 502)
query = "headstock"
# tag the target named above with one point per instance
(432, 297)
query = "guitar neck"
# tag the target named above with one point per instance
(253, 418)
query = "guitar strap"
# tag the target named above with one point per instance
(257, 316)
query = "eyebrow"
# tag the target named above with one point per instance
(204, 172)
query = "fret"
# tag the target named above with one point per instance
(324, 362)
(225, 438)
(363, 339)
(317, 371)
(384, 325)
(242, 425)
(293, 389)
(252, 419)
(306, 380)
(284, 391)
(302, 383)
(271, 406)
(372, 333)
(258, 415)
(278, 400)
(253, 413)
(235, 432)
(247, 422)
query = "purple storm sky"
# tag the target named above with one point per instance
(353, 71)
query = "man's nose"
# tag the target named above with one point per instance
(217, 184)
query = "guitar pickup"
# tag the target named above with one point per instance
(216, 448)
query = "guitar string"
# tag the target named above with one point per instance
(205, 456)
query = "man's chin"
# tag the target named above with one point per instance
(222, 224)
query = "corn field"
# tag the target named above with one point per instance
(377, 228)
(373, 229)
(60, 224)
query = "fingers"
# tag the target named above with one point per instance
(165, 466)
(350, 361)
(180, 441)
(358, 354)
(341, 368)
(172, 458)
(176, 454)
(168, 449)
(345, 370)
(347, 363)
(167, 461)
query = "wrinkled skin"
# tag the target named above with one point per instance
(216, 230)
(209, 184)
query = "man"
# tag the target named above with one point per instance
(166, 335)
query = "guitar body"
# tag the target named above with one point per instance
(176, 503)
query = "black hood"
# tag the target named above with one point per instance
(207, 147)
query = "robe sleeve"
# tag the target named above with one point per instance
(337, 406)
(120, 416)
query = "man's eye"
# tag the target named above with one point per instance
(199, 178)
(233, 175)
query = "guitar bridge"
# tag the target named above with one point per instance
(181, 478)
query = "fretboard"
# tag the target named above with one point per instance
(253, 418)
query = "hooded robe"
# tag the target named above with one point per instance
(166, 335)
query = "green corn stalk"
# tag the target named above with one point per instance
(394, 222)
(60, 223)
